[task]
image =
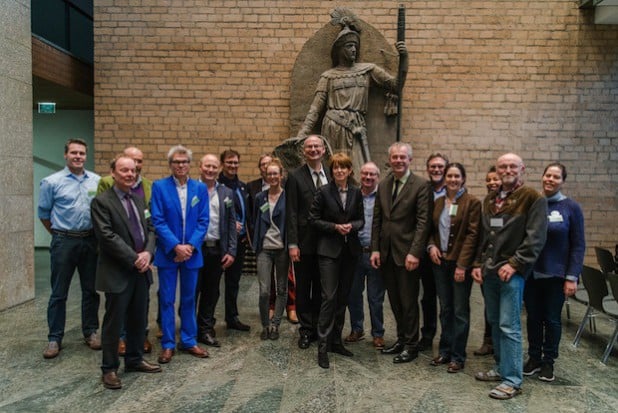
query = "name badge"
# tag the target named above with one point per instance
(555, 216)
(146, 214)
(227, 201)
(264, 207)
(496, 222)
(194, 201)
(452, 211)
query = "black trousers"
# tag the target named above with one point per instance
(128, 308)
(402, 287)
(429, 302)
(336, 276)
(232, 281)
(207, 291)
(308, 293)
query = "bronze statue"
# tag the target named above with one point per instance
(341, 96)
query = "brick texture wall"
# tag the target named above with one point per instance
(486, 77)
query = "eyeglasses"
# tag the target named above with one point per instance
(180, 162)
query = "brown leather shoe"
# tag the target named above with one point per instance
(166, 356)
(52, 350)
(111, 381)
(378, 343)
(196, 351)
(122, 347)
(93, 341)
(440, 360)
(454, 367)
(144, 367)
(147, 346)
(355, 336)
(485, 350)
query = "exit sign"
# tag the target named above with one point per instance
(47, 107)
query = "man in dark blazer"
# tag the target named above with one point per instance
(399, 235)
(126, 247)
(300, 188)
(179, 207)
(219, 248)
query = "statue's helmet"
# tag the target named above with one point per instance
(345, 35)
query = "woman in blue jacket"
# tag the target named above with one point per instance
(555, 274)
(271, 249)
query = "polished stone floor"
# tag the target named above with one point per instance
(249, 375)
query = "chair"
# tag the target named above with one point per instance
(611, 309)
(605, 260)
(595, 284)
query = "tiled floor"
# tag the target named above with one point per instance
(249, 375)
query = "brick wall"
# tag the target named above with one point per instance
(537, 78)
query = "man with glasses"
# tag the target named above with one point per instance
(180, 211)
(436, 162)
(230, 160)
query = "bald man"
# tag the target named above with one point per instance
(514, 231)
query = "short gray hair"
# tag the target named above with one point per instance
(181, 150)
(401, 145)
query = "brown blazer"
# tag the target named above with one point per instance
(402, 227)
(464, 232)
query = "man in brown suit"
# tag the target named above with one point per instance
(399, 237)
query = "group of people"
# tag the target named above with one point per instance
(325, 235)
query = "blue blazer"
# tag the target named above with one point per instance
(227, 221)
(261, 219)
(167, 220)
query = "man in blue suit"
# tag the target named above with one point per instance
(179, 207)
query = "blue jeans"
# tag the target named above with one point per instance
(375, 297)
(503, 303)
(267, 260)
(168, 277)
(544, 299)
(454, 310)
(67, 254)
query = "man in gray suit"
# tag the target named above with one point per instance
(398, 240)
(126, 247)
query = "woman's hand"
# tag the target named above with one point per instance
(435, 255)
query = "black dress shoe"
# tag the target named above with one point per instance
(323, 359)
(405, 356)
(394, 349)
(340, 349)
(144, 367)
(209, 340)
(238, 325)
(304, 341)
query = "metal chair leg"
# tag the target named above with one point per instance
(581, 326)
(610, 345)
(568, 308)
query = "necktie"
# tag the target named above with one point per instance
(134, 225)
(318, 181)
(396, 190)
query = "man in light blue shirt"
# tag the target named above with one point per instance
(64, 210)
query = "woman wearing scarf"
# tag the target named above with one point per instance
(452, 248)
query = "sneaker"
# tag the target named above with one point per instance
(274, 333)
(265, 333)
(531, 367)
(547, 373)
(355, 336)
